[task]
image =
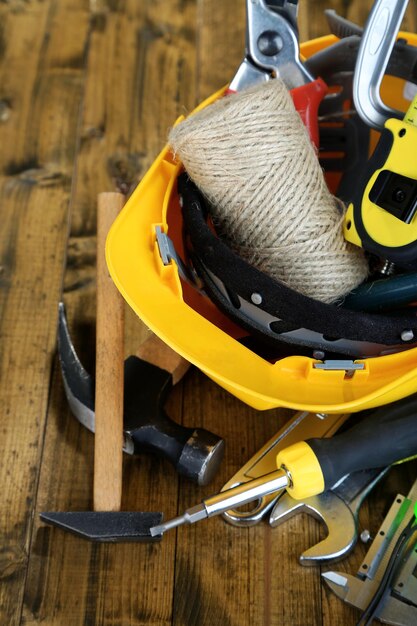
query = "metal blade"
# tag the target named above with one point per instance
(351, 590)
(78, 384)
(107, 526)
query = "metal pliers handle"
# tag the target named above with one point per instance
(272, 50)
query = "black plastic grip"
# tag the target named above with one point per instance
(381, 438)
(343, 54)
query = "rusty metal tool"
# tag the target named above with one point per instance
(385, 586)
(338, 509)
(196, 453)
(107, 522)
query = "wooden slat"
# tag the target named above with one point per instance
(131, 98)
(313, 23)
(22, 37)
(109, 371)
(42, 85)
(221, 43)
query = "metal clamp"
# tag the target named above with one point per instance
(168, 254)
(374, 52)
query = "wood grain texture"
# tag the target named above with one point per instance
(128, 43)
(108, 440)
(41, 85)
(154, 350)
(88, 92)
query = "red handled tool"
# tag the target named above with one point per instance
(272, 50)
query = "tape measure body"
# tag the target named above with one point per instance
(382, 218)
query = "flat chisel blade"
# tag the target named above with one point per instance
(107, 526)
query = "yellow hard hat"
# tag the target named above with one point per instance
(146, 259)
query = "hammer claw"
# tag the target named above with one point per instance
(78, 384)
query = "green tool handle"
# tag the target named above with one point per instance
(386, 293)
(384, 437)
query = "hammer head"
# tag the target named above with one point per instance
(196, 453)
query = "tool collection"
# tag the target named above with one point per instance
(300, 427)
(267, 344)
(385, 585)
(308, 468)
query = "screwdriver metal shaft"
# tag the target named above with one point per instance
(307, 468)
(229, 499)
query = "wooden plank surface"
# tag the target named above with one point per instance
(42, 83)
(123, 46)
(88, 91)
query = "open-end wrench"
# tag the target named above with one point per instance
(337, 508)
(386, 435)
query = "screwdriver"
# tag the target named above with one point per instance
(382, 437)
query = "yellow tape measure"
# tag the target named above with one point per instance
(411, 115)
(382, 216)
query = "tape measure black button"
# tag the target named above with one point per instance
(395, 193)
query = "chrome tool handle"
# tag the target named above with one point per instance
(376, 46)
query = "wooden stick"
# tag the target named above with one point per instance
(155, 351)
(109, 369)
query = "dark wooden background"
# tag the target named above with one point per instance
(88, 91)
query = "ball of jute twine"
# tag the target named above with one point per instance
(250, 155)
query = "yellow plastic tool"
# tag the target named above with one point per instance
(191, 325)
(382, 217)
